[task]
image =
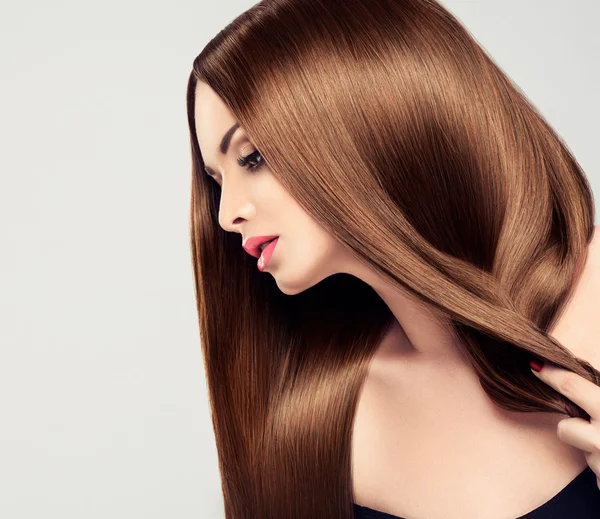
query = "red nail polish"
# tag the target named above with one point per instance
(536, 364)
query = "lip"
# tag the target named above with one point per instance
(251, 244)
(266, 255)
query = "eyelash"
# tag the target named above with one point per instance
(244, 161)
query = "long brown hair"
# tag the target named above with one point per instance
(398, 133)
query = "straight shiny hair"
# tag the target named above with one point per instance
(397, 132)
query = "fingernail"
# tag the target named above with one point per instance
(536, 365)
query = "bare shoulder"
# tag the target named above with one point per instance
(594, 248)
(578, 328)
(593, 300)
(588, 285)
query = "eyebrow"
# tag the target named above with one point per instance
(225, 142)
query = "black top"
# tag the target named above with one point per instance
(580, 499)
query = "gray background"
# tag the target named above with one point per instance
(104, 410)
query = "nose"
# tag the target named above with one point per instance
(235, 207)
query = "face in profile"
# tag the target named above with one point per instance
(254, 203)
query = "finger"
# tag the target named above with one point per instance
(579, 433)
(579, 390)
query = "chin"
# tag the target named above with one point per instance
(296, 285)
(290, 290)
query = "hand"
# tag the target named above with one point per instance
(576, 431)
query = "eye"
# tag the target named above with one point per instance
(252, 163)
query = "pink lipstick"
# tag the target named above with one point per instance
(266, 255)
(252, 245)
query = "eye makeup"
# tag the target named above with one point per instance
(252, 165)
(252, 162)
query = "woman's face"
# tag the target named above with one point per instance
(254, 203)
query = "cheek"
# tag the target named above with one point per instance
(312, 258)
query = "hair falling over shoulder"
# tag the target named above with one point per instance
(475, 206)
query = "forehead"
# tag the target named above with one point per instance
(212, 117)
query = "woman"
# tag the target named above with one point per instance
(425, 229)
